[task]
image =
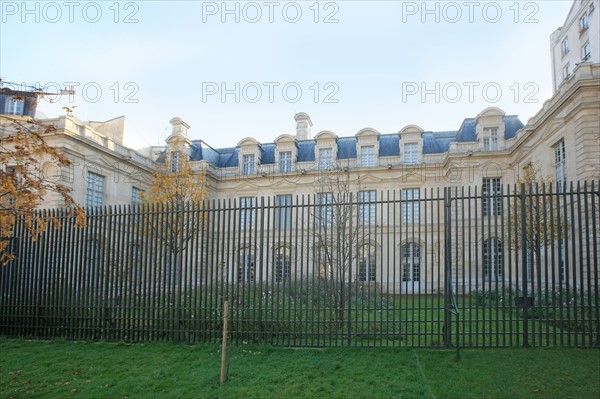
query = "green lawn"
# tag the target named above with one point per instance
(59, 369)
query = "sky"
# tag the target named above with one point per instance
(236, 69)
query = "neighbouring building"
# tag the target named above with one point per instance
(103, 170)
(577, 41)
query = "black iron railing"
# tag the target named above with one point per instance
(428, 268)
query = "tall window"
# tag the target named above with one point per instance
(565, 46)
(248, 164)
(95, 189)
(15, 106)
(367, 156)
(584, 23)
(283, 211)
(136, 195)
(247, 212)
(410, 205)
(246, 265)
(175, 164)
(411, 153)
(367, 208)
(490, 139)
(324, 205)
(493, 259)
(366, 263)
(567, 71)
(325, 159)
(586, 51)
(283, 264)
(560, 167)
(285, 161)
(411, 262)
(491, 194)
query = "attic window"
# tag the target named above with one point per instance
(411, 153)
(175, 161)
(248, 165)
(367, 156)
(490, 139)
(15, 106)
(326, 159)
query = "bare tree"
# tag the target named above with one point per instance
(338, 216)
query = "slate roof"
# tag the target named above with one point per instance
(389, 145)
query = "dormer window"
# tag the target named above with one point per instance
(325, 158)
(490, 139)
(15, 106)
(249, 165)
(367, 156)
(411, 153)
(565, 47)
(175, 162)
(285, 161)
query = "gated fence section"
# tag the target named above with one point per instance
(475, 267)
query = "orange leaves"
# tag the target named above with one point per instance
(23, 183)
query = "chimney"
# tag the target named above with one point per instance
(303, 126)
(180, 128)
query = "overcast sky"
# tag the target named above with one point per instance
(238, 69)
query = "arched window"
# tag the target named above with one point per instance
(411, 262)
(246, 265)
(283, 264)
(493, 259)
(366, 263)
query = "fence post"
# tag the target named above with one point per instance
(524, 267)
(447, 330)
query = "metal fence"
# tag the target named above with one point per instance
(475, 267)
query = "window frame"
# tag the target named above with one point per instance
(411, 269)
(367, 263)
(411, 205)
(247, 208)
(326, 161)
(560, 164)
(491, 140)
(175, 161)
(491, 196)
(248, 164)
(493, 251)
(565, 46)
(586, 51)
(246, 265)
(324, 204)
(411, 157)
(285, 161)
(283, 264)
(367, 208)
(283, 211)
(94, 196)
(367, 156)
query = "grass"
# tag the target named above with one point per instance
(59, 369)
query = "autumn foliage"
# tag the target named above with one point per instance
(24, 154)
(174, 189)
